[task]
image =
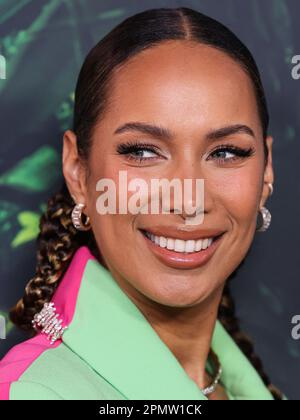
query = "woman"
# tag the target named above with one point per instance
(140, 305)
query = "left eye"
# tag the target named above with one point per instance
(224, 154)
(230, 153)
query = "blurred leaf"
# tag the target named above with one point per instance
(35, 173)
(30, 228)
(9, 325)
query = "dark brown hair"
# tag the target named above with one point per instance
(58, 239)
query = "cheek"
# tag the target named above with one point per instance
(130, 190)
(238, 190)
(114, 232)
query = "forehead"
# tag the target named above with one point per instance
(185, 84)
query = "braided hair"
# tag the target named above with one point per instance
(58, 239)
(228, 318)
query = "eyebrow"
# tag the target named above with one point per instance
(165, 134)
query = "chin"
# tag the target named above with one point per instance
(177, 291)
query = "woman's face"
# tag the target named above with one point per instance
(192, 91)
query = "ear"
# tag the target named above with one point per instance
(73, 168)
(268, 173)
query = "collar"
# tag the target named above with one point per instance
(108, 331)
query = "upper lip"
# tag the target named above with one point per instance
(174, 232)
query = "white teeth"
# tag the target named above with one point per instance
(170, 243)
(180, 245)
(198, 245)
(190, 246)
(205, 244)
(162, 242)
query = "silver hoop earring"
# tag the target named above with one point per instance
(266, 216)
(77, 220)
(270, 188)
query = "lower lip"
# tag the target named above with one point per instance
(180, 260)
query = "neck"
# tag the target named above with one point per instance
(186, 331)
(188, 334)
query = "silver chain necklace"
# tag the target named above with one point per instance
(211, 388)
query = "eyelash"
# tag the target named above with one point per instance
(239, 152)
(133, 147)
(129, 148)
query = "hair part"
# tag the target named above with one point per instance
(58, 239)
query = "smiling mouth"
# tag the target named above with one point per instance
(180, 246)
(176, 252)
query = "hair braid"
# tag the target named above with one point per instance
(56, 243)
(229, 320)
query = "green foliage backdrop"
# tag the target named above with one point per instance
(44, 43)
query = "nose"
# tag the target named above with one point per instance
(188, 200)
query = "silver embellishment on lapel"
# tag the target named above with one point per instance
(48, 320)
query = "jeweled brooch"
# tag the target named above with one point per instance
(48, 321)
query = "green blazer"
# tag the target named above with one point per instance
(110, 351)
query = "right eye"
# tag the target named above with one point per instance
(137, 151)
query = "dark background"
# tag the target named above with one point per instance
(44, 43)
